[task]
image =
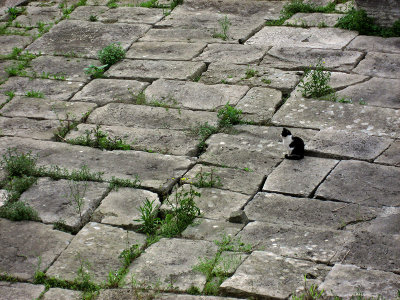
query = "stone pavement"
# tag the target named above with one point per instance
(333, 217)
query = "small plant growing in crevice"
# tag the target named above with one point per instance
(250, 73)
(111, 54)
(116, 183)
(203, 131)
(76, 197)
(224, 24)
(229, 116)
(66, 125)
(14, 12)
(93, 18)
(148, 217)
(315, 82)
(34, 94)
(310, 293)
(207, 179)
(95, 71)
(112, 4)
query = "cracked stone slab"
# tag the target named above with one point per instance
(362, 183)
(263, 76)
(234, 180)
(380, 65)
(347, 144)
(194, 95)
(23, 127)
(35, 14)
(165, 50)
(291, 58)
(24, 242)
(20, 291)
(8, 42)
(299, 177)
(61, 39)
(44, 108)
(97, 244)
(54, 200)
(270, 276)
(54, 89)
(129, 294)
(103, 91)
(3, 74)
(163, 141)
(150, 117)
(281, 209)
(132, 15)
(121, 207)
(83, 13)
(236, 54)
(155, 171)
(325, 38)
(61, 294)
(346, 281)
(318, 114)
(391, 156)
(382, 92)
(171, 261)
(318, 244)
(210, 230)
(313, 20)
(229, 261)
(375, 44)
(260, 104)
(150, 70)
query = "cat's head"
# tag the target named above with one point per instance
(285, 132)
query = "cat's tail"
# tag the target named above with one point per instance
(294, 156)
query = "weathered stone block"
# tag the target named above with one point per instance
(380, 65)
(19, 290)
(375, 44)
(30, 128)
(210, 230)
(391, 156)
(385, 12)
(8, 42)
(313, 20)
(83, 13)
(61, 294)
(36, 14)
(132, 15)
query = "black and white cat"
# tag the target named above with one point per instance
(294, 144)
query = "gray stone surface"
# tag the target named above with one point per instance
(385, 12)
(380, 92)
(62, 37)
(24, 242)
(266, 275)
(237, 54)
(363, 183)
(347, 280)
(299, 177)
(165, 50)
(8, 42)
(103, 91)
(308, 243)
(340, 80)
(377, 64)
(284, 210)
(150, 70)
(55, 201)
(391, 156)
(313, 20)
(84, 12)
(4, 64)
(239, 217)
(228, 262)
(45, 108)
(53, 89)
(121, 207)
(150, 117)
(375, 44)
(171, 261)
(194, 95)
(96, 244)
(132, 15)
(347, 144)
(319, 114)
(210, 230)
(61, 294)
(19, 290)
(35, 14)
(129, 294)
(326, 38)
(387, 222)
(23, 127)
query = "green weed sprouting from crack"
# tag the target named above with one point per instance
(95, 71)
(14, 12)
(207, 179)
(111, 54)
(310, 293)
(76, 197)
(315, 82)
(34, 94)
(224, 24)
(93, 18)
(228, 116)
(116, 183)
(148, 217)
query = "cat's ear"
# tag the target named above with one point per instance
(285, 132)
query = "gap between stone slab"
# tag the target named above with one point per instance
(362, 57)
(312, 194)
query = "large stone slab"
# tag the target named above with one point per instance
(34, 14)
(55, 201)
(294, 58)
(165, 141)
(325, 38)
(380, 65)
(150, 117)
(309, 243)
(319, 114)
(380, 92)
(375, 44)
(103, 91)
(281, 209)
(121, 207)
(155, 171)
(385, 13)
(61, 294)
(237, 54)
(194, 95)
(54, 89)
(263, 76)
(132, 15)
(363, 183)
(83, 13)
(62, 37)
(8, 42)
(165, 50)
(98, 245)
(269, 276)
(299, 177)
(129, 294)
(346, 281)
(45, 108)
(391, 156)
(150, 70)
(170, 262)
(23, 127)
(347, 144)
(25, 243)
(4, 64)
(313, 20)
(20, 291)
